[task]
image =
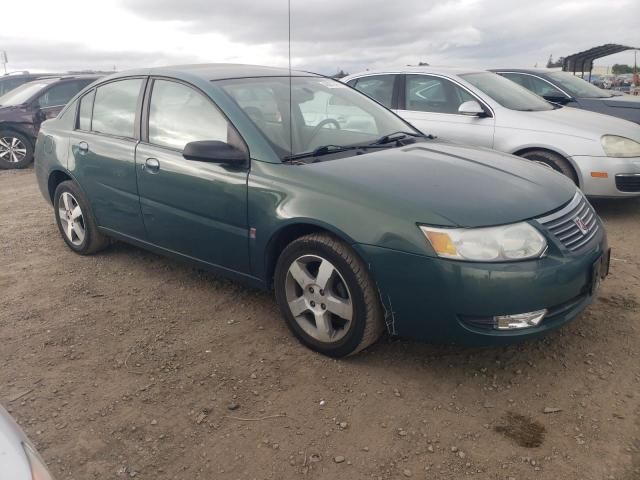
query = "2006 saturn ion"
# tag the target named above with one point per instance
(359, 222)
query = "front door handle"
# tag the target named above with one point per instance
(83, 147)
(152, 165)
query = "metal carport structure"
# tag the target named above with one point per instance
(583, 61)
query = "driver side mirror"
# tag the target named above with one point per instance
(471, 108)
(39, 114)
(559, 99)
(214, 151)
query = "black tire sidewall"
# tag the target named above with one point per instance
(69, 186)
(556, 162)
(28, 159)
(352, 339)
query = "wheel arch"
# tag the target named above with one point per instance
(291, 231)
(56, 177)
(531, 148)
(14, 127)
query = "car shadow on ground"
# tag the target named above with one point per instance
(616, 207)
(563, 343)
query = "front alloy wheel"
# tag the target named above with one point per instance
(318, 298)
(327, 296)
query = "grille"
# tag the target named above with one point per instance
(628, 183)
(574, 225)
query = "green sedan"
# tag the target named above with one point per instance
(359, 222)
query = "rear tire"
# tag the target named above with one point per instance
(75, 220)
(16, 150)
(327, 296)
(553, 161)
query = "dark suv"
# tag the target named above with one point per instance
(24, 108)
(12, 80)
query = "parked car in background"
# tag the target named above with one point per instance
(359, 223)
(12, 80)
(18, 458)
(601, 154)
(567, 89)
(23, 110)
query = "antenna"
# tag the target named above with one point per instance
(290, 86)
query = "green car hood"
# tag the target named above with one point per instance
(439, 183)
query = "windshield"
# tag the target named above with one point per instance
(21, 94)
(507, 93)
(324, 112)
(577, 87)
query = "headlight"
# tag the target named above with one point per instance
(621, 147)
(38, 469)
(494, 244)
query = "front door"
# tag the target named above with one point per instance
(197, 209)
(431, 104)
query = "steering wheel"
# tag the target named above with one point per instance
(318, 127)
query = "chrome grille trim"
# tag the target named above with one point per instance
(561, 224)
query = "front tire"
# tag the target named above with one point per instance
(75, 220)
(16, 150)
(327, 296)
(552, 160)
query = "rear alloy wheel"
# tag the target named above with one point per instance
(553, 161)
(75, 220)
(327, 296)
(15, 150)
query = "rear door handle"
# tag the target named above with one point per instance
(152, 165)
(83, 147)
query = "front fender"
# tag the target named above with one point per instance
(280, 196)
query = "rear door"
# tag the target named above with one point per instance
(102, 156)
(197, 209)
(431, 103)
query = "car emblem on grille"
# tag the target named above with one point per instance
(581, 225)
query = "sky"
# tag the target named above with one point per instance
(327, 35)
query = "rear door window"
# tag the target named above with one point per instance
(115, 106)
(378, 87)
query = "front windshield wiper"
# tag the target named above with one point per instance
(327, 149)
(395, 136)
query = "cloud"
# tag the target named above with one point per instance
(355, 35)
(65, 56)
(327, 34)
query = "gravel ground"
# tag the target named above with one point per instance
(126, 364)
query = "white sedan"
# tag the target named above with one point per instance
(18, 458)
(599, 152)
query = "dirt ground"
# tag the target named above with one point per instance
(126, 364)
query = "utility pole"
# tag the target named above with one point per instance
(4, 60)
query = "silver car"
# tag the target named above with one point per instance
(18, 459)
(599, 152)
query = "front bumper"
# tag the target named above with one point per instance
(434, 299)
(595, 186)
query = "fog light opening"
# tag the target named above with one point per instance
(519, 320)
